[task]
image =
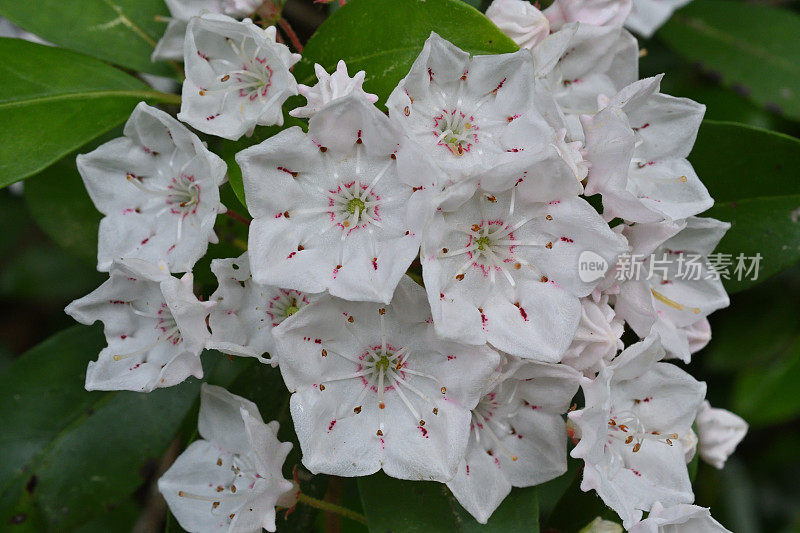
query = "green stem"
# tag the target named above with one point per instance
(331, 508)
(167, 98)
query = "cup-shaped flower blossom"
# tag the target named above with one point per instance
(636, 411)
(482, 119)
(598, 338)
(520, 20)
(518, 437)
(593, 12)
(330, 87)
(505, 271)
(648, 15)
(338, 209)
(637, 147)
(158, 187)
(237, 76)
(683, 517)
(154, 325)
(673, 285)
(719, 433)
(230, 479)
(245, 312)
(374, 388)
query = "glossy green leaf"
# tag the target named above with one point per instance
(421, 506)
(124, 32)
(69, 454)
(53, 101)
(751, 174)
(383, 37)
(750, 46)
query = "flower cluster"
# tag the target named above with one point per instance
(418, 278)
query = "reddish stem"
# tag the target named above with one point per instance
(287, 29)
(236, 216)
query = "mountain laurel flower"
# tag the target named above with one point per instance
(518, 435)
(505, 271)
(637, 147)
(677, 286)
(374, 388)
(648, 15)
(593, 12)
(599, 525)
(158, 189)
(598, 338)
(230, 479)
(636, 411)
(330, 87)
(154, 325)
(478, 120)
(719, 433)
(683, 517)
(170, 46)
(246, 312)
(339, 209)
(237, 76)
(520, 20)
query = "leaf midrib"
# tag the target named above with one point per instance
(148, 95)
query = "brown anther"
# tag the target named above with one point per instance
(202, 93)
(623, 427)
(656, 433)
(286, 214)
(321, 386)
(444, 390)
(357, 409)
(436, 410)
(359, 141)
(219, 488)
(323, 149)
(444, 250)
(421, 422)
(517, 266)
(226, 77)
(669, 442)
(407, 111)
(300, 248)
(545, 279)
(180, 493)
(382, 311)
(231, 515)
(491, 198)
(338, 267)
(637, 447)
(393, 156)
(629, 439)
(379, 433)
(351, 319)
(382, 405)
(219, 461)
(611, 422)
(476, 227)
(233, 488)
(459, 277)
(549, 245)
(549, 217)
(346, 223)
(215, 505)
(324, 352)
(513, 457)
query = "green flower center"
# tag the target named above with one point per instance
(355, 204)
(382, 363)
(483, 242)
(292, 309)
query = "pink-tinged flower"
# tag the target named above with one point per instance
(484, 120)
(158, 187)
(505, 271)
(649, 15)
(598, 338)
(636, 411)
(246, 312)
(373, 387)
(520, 20)
(170, 46)
(674, 286)
(339, 209)
(719, 433)
(518, 437)
(331, 87)
(237, 76)
(637, 147)
(154, 325)
(594, 12)
(683, 517)
(230, 479)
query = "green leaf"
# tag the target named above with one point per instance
(69, 454)
(383, 37)
(751, 174)
(752, 47)
(53, 101)
(403, 506)
(124, 32)
(60, 205)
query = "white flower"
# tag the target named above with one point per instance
(503, 270)
(597, 339)
(230, 479)
(598, 525)
(339, 209)
(158, 187)
(719, 432)
(685, 518)
(595, 12)
(636, 411)
(479, 120)
(237, 76)
(637, 147)
(170, 46)
(154, 325)
(683, 288)
(374, 388)
(520, 20)
(649, 15)
(246, 312)
(329, 87)
(518, 436)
